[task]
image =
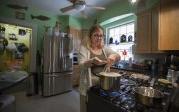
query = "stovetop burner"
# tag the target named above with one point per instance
(124, 97)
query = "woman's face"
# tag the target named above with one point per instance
(97, 38)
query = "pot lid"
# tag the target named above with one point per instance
(110, 74)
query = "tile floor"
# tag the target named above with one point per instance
(67, 102)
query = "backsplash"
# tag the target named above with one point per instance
(142, 57)
(160, 56)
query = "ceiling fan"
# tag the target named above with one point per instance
(79, 5)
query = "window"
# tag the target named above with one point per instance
(121, 39)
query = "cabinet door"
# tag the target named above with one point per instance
(76, 34)
(85, 36)
(155, 29)
(143, 37)
(169, 25)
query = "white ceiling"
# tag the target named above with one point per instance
(53, 6)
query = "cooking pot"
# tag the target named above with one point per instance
(109, 80)
(148, 96)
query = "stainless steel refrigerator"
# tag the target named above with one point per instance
(57, 65)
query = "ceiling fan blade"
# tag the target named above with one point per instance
(68, 8)
(83, 14)
(72, 1)
(96, 7)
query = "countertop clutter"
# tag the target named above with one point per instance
(156, 93)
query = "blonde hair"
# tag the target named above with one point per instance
(91, 31)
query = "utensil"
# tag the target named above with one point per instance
(109, 80)
(148, 96)
(106, 68)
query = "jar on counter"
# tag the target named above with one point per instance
(169, 75)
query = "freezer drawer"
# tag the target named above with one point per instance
(56, 83)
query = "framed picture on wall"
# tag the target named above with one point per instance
(20, 15)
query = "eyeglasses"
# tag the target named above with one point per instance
(97, 35)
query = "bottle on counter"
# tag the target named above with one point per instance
(56, 29)
(165, 65)
(130, 62)
(170, 74)
(2, 32)
(155, 67)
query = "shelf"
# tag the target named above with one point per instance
(121, 43)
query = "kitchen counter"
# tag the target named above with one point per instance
(123, 99)
(11, 78)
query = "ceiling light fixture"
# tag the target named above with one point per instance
(133, 1)
(80, 7)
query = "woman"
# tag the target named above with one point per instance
(92, 58)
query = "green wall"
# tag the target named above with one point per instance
(116, 9)
(71, 21)
(10, 13)
(120, 21)
(87, 23)
(123, 7)
(75, 22)
(64, 20)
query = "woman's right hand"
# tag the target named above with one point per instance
(95, 61)
(98, 61)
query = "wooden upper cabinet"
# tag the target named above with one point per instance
(76, 34)
(143, 35)
(158, 28)
(169, 25)
(155, 30)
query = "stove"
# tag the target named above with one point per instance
(120, 100)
